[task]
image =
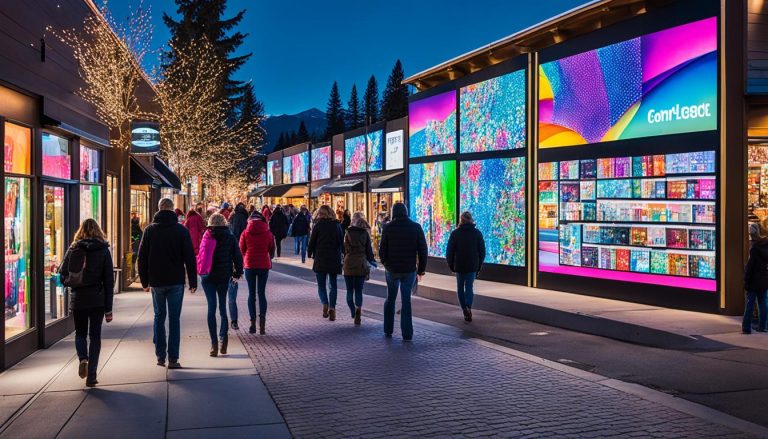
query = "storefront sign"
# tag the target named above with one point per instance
(145, 137)
(395, 150)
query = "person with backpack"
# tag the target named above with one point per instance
(258, 248)
(300, 230)
(87, 271)
(326, 245)
(218, 263)
(195, 223)
(278, 225)
(465, 254)
(358, 259)
(756, 281)
(164, 254)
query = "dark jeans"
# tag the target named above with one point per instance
(354, 286)
(278, 245)
(214, 291)
(326, 297)
(257, 283)
(301, 246)
(167, 302)
(88, 324)
(465, 288)
(403, 282)
(232, 299)
(762, 308)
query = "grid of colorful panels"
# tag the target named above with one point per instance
(650, 214)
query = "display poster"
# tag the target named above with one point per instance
(57, 162)
(653, 85)
(270, 172)
(145, 137)
(18, 149)
(354, 154)
(321, 163)
(296, 168)
(286, 170)
(432, 125)
(395, 150)
(432, 201)
(373, 141)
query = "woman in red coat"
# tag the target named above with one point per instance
(196, 226)
(258, 248)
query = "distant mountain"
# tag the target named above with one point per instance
(313, 118)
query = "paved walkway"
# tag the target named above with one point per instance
(42, 397)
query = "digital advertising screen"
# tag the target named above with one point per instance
(354, 155)
(145, 137)
(432, 201)
(493, 191)
(270, 172)
(432, 125)
(375, 153)
(395, 150)
(299, 167)
(287, 170)
(644, 219)
(492, 114)
(321, 163)
(656, 84)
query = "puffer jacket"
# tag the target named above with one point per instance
(403, 244)
(466, 249)
(325, 246)
(196, 226)
(238, 221)
(278, 224)
(164, 253)
(98, 280)
(257, 245)
(227, 259)
(357, 252)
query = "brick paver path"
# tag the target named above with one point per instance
(331, 379)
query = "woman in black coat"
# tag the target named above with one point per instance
(465, 254)
(326, 245)
(87, 271)
(756, 280)
(278, 225)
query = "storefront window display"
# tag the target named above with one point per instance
(90, 165)
(140, 206)
(113, 201)
(57, 162)
(90, 202)
(17, 223)
(54, 245)
(18, 149)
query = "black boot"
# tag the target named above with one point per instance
(262, 324)
(252, 329)
(224, 344)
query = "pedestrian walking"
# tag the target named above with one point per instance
(258, 248)
(226, 210)
(219, 262)
(278, 225)
(266, 212)
(346, 220)
(403, 251)
(164, 254)
(756, 280)
(300, 231)
(136, 233)
(195, 224)
(358, 259)
(87, 271)
(325, 247)
(465, 254)
(238, 220)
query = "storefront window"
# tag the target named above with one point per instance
(90, 165)
(56, 158)
(18, 149)
(90, 202)
(18, 307)
(112, 213)
(54, 245)
(140, 206)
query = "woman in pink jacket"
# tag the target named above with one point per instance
(196, 226)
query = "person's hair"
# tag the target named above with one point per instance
(165, 204)
(216, 220)
(466, 218)
(761, 232)
(358, 220)
(89, 229)
(325, 212)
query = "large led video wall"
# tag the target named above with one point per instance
(270, 172)
(645, 219)
(354, 155)
(656, 84)
(492, 114)
(375, 150)
(296, 168)
(432, 125)
(493, 190)
(432, 201)
(321, 163)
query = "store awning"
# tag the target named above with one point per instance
(286, 191)
(259, 191)
(389, 182)
(169, 179)
(343, 186)
(142, 173)
(317, 188)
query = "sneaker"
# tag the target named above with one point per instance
(234, 325)
(358, 315)
(331, 314)
(91, 382)
(82, 369)
(174, 364)
(160, 362)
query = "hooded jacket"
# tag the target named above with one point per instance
(257, 245)
(278, 224)
(756, 271)
(98, 280)
(164, 252)
(357, 252)
(403, 244)
(239, 221)
(466, 249)
(196, 226)
(300, 225)
(325, 246)
(227, 259)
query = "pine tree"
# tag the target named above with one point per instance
(292, 140)
(334, 114)
(394, 104)
(303, 135)
(249, 112)
(371, 101)
(354, 116)
(280, 145)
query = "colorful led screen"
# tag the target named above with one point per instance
(492, 114)
(494, 192)
(354, 155)
(321, 163)
(432, 201)
(298, 167)
(657, 84)
(271, 172)
(432, 125)
(287, 170)
(375, 156)
(644, 219)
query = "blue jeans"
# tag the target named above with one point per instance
(257, 283)
(326, 298)
(354, 286)
(216, 291)
(404, 282)
(300, 243)
(167, 302)
(465, 283)
(232, 299)
(762, 308)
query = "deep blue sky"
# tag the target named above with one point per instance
(301, 46)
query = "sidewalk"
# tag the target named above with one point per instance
(626, 321)
(210, 397)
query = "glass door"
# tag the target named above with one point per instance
(54, 245)
(112, 215)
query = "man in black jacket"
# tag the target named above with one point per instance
(403, 251)
(164, 252)
(300, 232)
(465, 255)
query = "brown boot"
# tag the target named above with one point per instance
(262, 324)
(325, 311)
(358, 315)
(214, 350)
(224, 344)
(331, 314)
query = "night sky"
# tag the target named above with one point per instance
(301, 46)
